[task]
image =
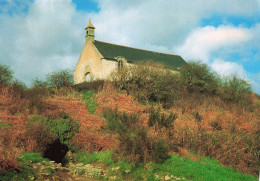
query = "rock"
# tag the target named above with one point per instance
(167, 177)
(127, 171)
(115, 169)
(157, 176)
(79, 164)
(112, 178)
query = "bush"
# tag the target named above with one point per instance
(64, 128)
(34, 97)
(134, 142)
(160, 151)
(197, 77)
(93, 85)
(18, 88)
(149, 82)
(6, 75)
(161, 120)
(63, 78)
(39, 136)
(236, 90)
(39, 83)
(11, 146)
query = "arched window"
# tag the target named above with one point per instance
(88, 77)
(120, 65)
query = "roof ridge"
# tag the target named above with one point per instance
(137, 48)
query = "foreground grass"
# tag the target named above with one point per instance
(26, 172)
(176, 167)
(90, 102)
(206, 169)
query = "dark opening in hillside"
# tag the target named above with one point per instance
(56, 151)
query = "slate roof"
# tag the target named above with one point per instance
(111, 51)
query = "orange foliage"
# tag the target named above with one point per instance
(109, 98)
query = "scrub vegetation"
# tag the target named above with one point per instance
(149, 123)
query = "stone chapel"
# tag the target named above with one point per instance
(99, 59)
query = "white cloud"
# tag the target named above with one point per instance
(45, 39)
(159, 23)
(49, 34)
(203, 41)
(226, 68)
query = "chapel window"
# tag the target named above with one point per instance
(120, 65)
(88, 77)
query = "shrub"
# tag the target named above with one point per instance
(197, 77)
(236, 90)
(18, 88)
(62, 78)
(149, 82)
(34, 97)
(161, 120)
(6, 75)
(39, 83)
(160, 151)
(11, 146)
(64, 128)
(39, 136)
(134, 142)
(93, 85)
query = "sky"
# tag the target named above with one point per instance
(38, 37)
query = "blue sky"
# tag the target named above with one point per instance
(41, 36)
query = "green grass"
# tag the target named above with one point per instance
(5, 124)
(26, 172)
(177, 166)
(31, 157)
(206, 169)
(103, 157)
(89, 99)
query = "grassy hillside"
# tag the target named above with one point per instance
(145, 125)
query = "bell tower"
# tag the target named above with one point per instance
(90, 32)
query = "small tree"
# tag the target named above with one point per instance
(148, 81)
(197, 77)
(6, 75)
(236, 89)
(39, 83)
(63, 78)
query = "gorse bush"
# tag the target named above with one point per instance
(135, 144)
(154, 83)
(94, 85)
(149, 82)
(34, 97)
(197, 77)
(62, 78)
(39, 83)
(161, 120)
(235, 89)
(39, 136)
(64, 128)
(163, 124)
(6, 75)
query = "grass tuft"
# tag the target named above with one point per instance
(89, 99)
